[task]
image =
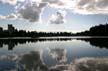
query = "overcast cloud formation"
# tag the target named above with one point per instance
(32, 9)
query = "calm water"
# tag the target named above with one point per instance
(53, 55)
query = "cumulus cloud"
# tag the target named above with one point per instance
(10, 16)
(13, 2)
(81, 6)
(31, 11)
(60, 3)
(58, 18)
(91, 7)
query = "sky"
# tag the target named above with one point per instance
(53, 15)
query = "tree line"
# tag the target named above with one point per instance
(99, 30)
(23, 33)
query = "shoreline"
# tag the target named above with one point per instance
(56, 37)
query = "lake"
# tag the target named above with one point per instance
(71, 54)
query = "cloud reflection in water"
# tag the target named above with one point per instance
(32, 62)
(58, 54)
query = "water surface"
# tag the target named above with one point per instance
(46, 55)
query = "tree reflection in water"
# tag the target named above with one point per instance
(98, 42)
(14, 42)
(32, 60)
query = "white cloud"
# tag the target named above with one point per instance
(10, 16)
(58, 18)
(13, 2)
(2, 17)
(60, 3)
(31, 11)
(21, 0)
(91, 7)
(81, 6)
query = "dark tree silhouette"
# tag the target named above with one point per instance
(100, 30)
(98, 42)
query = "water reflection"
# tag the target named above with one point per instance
(25, 62)
(11, 43)
(90, 64)
(58, 54)
(32, 62)
(14, 42)
(71, 55)
(98, 42)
